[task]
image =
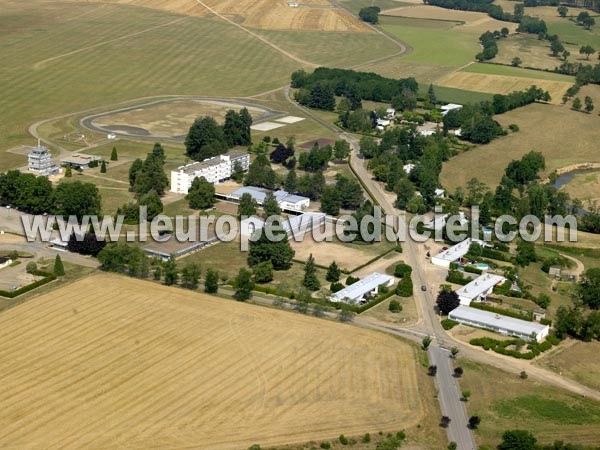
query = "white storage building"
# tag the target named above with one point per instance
(293, 225)
(455, 252)
(356, 293)
(478, 289)
(498, 323)
(284, 199)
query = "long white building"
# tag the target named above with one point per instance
(294, 226)
(498, 323)
(455, 252)
(478, 289)
(356, 293)
(285, 200)
(214, 170)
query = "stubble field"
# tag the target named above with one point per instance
(137, 365)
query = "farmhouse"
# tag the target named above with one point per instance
(455, 252)
(293, 225)
(478, 289)
(449, 107)
(79, 161)
(356, 293)
(500, 324)
(214, 170)
(40, 161)
(285, 200)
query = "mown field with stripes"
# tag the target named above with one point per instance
(64, 57)
(114, 362)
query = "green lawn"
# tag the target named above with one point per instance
(507, 71)
(574, 34)
(356, 5)
(452, 95)
(458, 47)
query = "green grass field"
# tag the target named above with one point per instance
(507, 71)
(356, 5)
(574, 34)
(504, 401)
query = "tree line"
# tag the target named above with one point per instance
(206, 138)
(36, 195)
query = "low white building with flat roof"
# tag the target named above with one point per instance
(214, 170)
(478, 289)
(294, 226)
(456, 252)
(449, 107)
(356, 293)
(285, 200)
(508, 326)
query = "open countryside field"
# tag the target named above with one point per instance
(553, 130)
(269, 14)
(81, 361)
(576, 360)
(532, 51)
(503, 401)
(584, 186)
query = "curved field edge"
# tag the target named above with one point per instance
(133, 364)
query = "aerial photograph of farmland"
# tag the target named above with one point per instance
(300, 225)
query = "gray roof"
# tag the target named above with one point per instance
(360, 288)
(480, 285)
(257, 194)
(511, 324)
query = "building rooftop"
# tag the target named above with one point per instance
(80, 159)
(480, 285)
(518, 326)
(459, 250)
(361, 287)
(257, 194)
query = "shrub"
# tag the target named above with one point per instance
(553, 339)
(472, 269)
(31, 267)
(405, 287)
(351, 280)
(448, 324)
(366, 438)
(335, 287)
(325, 445)
(343, 440)
(513, 127)
(395, 306)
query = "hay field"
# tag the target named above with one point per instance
(138, 365)
(584, 186)
(500, 84)
(532, 51)
(564, 137)
(470, 21)
(266, 14)
(576, 360)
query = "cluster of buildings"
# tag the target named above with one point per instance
(214, 170)
(39, 161)
(285, 200)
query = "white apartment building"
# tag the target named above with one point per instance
(40, 161)
(214, 170)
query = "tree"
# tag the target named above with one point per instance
(588, 289)
(447, 301)
(263, 272)
(452, 445)
(589, 22)
(59, 268)
(432, 371)
(88, 244)
(211, 282)
(562, 11)
(77, 199)
(465, 395)
(236, 129)
(589, 104)
(170, 271)
(333, 272)
(153, 204)
(426, 342)
(454, 351)
(243, 285)
(310, 280)
(516, 61)
(260, 173)
(577, 104)
(330, 201)
(271, 206)
(68, 172)
(278, 251)
(103, 167)
(431, 93)
(190, 274)
(134, 169)
(474, 422)
(369, 14)
(238, 172)
(113, 154)
(556, 47)
(290, 181)
(525, 253)
(247, 206)
(201, 194)
(205, 139)
(151, 174)
(517, 440)
(587, 50)
(458, 372)
(341, 149)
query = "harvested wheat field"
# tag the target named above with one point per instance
(267, 14)
(114, 362)
(499, 84)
